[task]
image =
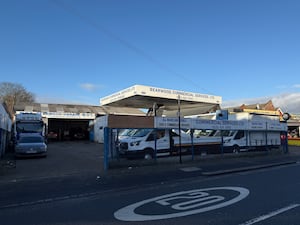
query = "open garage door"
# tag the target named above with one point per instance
(68, 129)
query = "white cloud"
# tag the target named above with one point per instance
(90, 87)
(288, 102)
(58, 100)
(247, 101)
(296, 86)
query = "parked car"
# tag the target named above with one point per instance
(52, 135)
(79, 136)
(30, 145)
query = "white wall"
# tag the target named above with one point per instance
(100, 123)
(5, 128)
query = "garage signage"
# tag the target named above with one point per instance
(219, 124)
(172, 122)
(69, 115)
(195, 123)
(257, 125)
(181, 204)
(192, 123)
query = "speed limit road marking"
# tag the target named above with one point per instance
(182, 203)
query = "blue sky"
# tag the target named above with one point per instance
(77, 51)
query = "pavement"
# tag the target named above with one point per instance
(208, 165)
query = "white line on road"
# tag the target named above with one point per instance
(190, 169)
(269, 215)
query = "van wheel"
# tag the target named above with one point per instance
(148, 154)
(236, 149)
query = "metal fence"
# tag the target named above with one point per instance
(152, 148)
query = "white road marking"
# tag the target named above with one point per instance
(271, 214)
(187, 203)
(190, 169)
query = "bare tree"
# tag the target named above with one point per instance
(12, 94)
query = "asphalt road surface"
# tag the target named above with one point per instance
(264, 196)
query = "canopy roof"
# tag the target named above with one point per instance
(58, 110)
(140, 96)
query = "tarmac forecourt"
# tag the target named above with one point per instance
(85, 159)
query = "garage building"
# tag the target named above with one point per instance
(71, 122)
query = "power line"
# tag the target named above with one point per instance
(127, 44)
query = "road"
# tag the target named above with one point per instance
(264, 196)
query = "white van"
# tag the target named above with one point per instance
(145, 142)
(243, 140)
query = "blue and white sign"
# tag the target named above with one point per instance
(195, 123)
(172, 122)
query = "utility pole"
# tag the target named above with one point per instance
(179, 128)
